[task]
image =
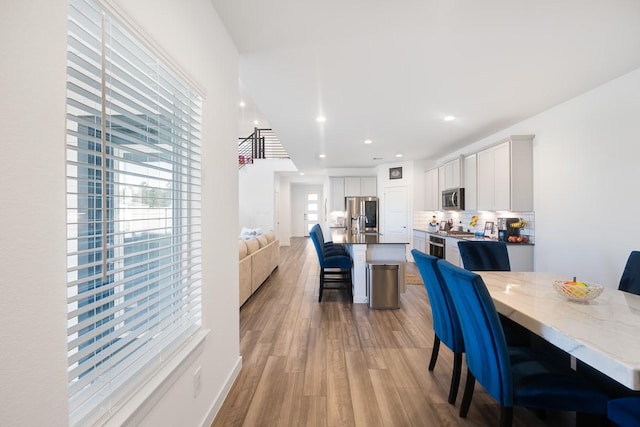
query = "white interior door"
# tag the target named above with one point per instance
(396, 212)
(312, 210)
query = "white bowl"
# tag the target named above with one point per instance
(581, 293)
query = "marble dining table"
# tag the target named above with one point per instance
(603, 333)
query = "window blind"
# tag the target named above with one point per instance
(133, 212)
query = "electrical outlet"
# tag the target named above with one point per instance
(197, 381)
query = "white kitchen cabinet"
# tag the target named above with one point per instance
(369, 186)
(505, 175)
(336, 191)
(451, 174)
(470, 183)
(520, 257)
(451, 251)
(360, 186)
(432, 200)
(420, 240)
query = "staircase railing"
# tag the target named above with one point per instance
(261, 144)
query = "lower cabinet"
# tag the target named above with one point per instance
(451, 251)
(420, 240)
(520, 257)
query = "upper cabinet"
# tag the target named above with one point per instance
(470, 183)
(451, 174)
(505, 175)
(432, 188)
(360, 186)
(344, 186)
(336, 192)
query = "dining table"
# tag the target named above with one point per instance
(603, 333)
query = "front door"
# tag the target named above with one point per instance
(306, 208)
(311, 210)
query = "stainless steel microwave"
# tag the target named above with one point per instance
(453, 199)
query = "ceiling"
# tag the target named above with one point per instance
(391, 71)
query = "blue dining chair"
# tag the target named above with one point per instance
(514, 376)
(630, 280)
(329, 246)
(484, 255)
(334, 268)
(625, 411)
(446, 326)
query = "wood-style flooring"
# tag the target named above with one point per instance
(340, 364)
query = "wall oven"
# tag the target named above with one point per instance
(436, 246)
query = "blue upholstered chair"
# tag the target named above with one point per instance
(484, 255)
(334, 268)
(445, 320)
(329, 246)
(630, 281)
(514, 376)
(625, 411)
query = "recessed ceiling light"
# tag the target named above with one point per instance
(255, 122)
(368, 141)
(399, 155)
(321, 119)
(449, 118)
(322, 156)
(242, 104)
(301, 173)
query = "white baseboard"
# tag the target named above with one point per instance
(222, 395)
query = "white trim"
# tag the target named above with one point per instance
(222, 395)
(132, 26)
(141, 403)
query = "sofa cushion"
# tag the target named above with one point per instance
(252, 245)
(262, 240)
(242, 249)
(270, 235)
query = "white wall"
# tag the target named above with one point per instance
(33, 361)
(586, 174)
(256, 192)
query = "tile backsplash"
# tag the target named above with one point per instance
(421, 220)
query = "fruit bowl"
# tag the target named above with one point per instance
(578, 291)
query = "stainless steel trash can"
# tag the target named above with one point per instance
(382, 286)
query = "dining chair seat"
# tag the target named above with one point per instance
(630, 280)
(480, 255)
(514, 376)
(446, 326)
(625, 411)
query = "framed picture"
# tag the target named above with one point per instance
(488, 228)
(443, 225)
(395, 173)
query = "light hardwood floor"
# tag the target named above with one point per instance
(339, 364)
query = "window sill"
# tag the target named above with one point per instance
(144, 399)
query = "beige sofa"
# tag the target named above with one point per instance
(258, 257)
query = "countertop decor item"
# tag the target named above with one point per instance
(578, 291)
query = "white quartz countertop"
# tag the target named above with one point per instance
(603, 333)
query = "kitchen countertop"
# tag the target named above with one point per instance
(342, 237)
(465, 237)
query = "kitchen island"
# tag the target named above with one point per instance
(376, 248)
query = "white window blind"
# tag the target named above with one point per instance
(133, 212)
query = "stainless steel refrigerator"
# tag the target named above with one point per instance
(362, 212)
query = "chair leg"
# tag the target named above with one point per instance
(321, 284)
(468, 394)
(434, 352)
(455, 378)
(506, 416)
